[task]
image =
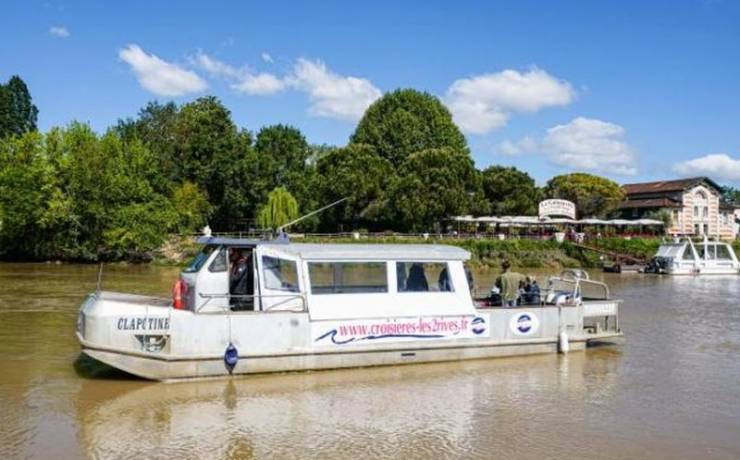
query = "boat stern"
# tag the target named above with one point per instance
(111, 326)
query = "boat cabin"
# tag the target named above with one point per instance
(239, 275)
(688, 257)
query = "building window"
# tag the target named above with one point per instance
(696, 211)
(705, 214)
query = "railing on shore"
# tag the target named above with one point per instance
(421, 236)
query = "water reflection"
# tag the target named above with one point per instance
(417, 410)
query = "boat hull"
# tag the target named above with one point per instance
(157, 368)
(161, 343)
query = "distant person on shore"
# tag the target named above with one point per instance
(508, 283)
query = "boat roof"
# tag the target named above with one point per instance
(329, 251)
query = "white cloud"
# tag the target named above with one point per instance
(215, 67)
(241, 78)
(161, 77)
(483, 103)
(59, 31)
(262, 84)
(513, 148)
(591, 145)
(715, 165)
(333, 95)
(267, 58)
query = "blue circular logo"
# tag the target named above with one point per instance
(479, 325)
(524, 323)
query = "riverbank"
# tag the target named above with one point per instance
(485, 252)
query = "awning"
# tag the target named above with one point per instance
(534, 221)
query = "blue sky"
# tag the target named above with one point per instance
(632, 90)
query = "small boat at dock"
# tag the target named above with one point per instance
(258, 306)
(685, 257)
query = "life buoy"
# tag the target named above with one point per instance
(178, 290)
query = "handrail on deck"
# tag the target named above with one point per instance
(288, 297)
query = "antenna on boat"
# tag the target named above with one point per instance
(282, 228)
(100, 279)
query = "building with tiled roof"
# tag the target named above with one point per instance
(695, 205)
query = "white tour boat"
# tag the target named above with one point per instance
(246, 306)
(684, 257)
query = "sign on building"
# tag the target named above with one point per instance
(563, 208)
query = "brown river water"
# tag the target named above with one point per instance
(671, 390)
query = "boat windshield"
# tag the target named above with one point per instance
(670, 250)
(197, 263)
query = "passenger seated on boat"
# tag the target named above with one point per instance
(444, 281)
(531, 292)
(471, 280)
(417, 280)
(508, 284)
(241, 282)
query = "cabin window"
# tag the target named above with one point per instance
(423, 277)
(280, 274)
(347, 277)
(723, 252)
(219, 263)
(197, 263)
(688, 254)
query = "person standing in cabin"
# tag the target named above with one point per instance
(508, 283)
(240, 279)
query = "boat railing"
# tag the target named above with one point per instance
(286, 298)
(580, 287)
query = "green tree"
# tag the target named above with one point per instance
(431, 186)
(357, 173)
(282, 160)
(211, 152)
(280, 209)
(406, 121)
(730, 194)
(17, 112)
(593, 195)
(30, 199)
(155, 127)
(663, 215)
(192, 207)
(510, 191)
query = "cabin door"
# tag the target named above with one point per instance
(212, 283)
(280, 286)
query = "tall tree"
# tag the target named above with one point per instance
(592, 195)
(155, 126)
(406, 121)
(282, 157)
(433, 185)
(17, 112)
(211, 152)
(730, 194)
(358, 173)
(510, 191)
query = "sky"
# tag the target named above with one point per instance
(634, 91)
